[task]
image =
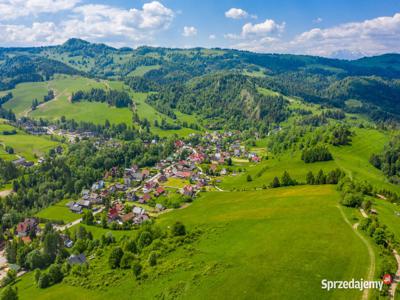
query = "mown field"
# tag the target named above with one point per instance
(354, 159)
(276, 244)
(58, 212)
(93, 112)
(28, 146)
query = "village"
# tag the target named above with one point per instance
(133, 195)
(126, 198)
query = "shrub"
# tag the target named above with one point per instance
(137, 269)
(152, 260)
(178, 229)
(115, 257)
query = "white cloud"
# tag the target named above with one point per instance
(370, 37)
(97, 23)
(236, 13)
(13, 9)
(189, 31)
(212, 36)
(251, 31)
(267, 27)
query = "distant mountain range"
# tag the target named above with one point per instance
(373, 81)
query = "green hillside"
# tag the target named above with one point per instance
(244, 251)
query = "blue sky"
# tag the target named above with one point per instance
(338, 28)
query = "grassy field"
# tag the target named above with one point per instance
(141, 70)
(354, 159)
(275, 244)
(28, 146)
(24, 93)
(59, 211)
(94, 112)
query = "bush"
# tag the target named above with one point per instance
(127, 260)
(55, 273)
(178, 229)
(115, 257)
(152, 259)
(137, 269)
(44, 281)
(9, 293)
(352, 200)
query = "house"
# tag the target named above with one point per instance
(145, 173)
(183, 174)
(98, 185)
(162, 178)
(179, 144)
(146, 197)
(127, 181)
(68, 243)
(159, 191)
(112, 214)
(127, 217)
(138, 210)
(120, 187)
(76, 259)
(22, 162)
(187, 190)
(25, 228)
(224, 171)
(159, 207)
(75, 208)
(140, 219)
(131, 196)
(85, 192)
(84, 204)
(26, 239)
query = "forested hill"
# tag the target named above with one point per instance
(374, 82)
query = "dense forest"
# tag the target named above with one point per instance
(372, 81)
(111, 97)
(389, 160)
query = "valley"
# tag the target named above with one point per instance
(157, 173)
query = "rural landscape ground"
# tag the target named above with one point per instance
(220, 184)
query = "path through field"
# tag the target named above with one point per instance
(396, 279)
(371, 253)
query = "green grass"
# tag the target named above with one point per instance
(94, 112)
(141, 70)
(274, 244)
(58, 212)
(23, 94)
(353, 159)
(28, 146)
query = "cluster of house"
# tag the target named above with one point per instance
(28, 228)
(88, 198)
(117, 213)
(22, 162)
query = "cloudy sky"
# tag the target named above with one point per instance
(340, 28)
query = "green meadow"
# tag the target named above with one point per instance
(141, 70)
(93, 112)
(29, 146)
(58, 212)
(279, 243)
(353, 159)
(23, 94)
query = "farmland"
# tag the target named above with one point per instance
(249, 232)
(29, 146)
